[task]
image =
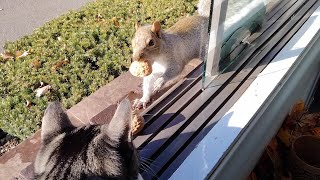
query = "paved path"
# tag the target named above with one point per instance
(21, 17)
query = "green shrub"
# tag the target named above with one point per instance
(76, 54)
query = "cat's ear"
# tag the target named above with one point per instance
(120, 126)
(54, 120)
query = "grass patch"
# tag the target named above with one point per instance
(76, 54)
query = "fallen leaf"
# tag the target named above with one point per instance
(20, 55)
(36, 64)
(285, 136)
(6, 55)
(59, 64)
(115, 21)
(43, 90)
(273, 144)
(311, 119)
(99, 17)
(316, 131)
(298, 110)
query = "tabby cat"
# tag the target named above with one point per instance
(89, 152)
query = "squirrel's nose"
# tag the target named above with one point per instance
(137, 56)
(141, 55)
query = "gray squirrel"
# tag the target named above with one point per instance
(170, 50)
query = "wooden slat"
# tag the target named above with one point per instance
(168, 166)
(277, 8)
(148, 133)
(184, 109)
(172, 95)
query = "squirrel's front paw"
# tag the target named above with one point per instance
(158, 84)
(138, 103)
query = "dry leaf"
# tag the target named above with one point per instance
(41, 91)
(59, 64)
(36, 64)
(316, 131)
(273, 144)
(20, 55)
(6, 55)
(311, 119)
(99, 17)
(298, 110)
(285, 136)
(115, 21)
(297, 123)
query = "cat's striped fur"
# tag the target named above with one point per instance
(89, 152)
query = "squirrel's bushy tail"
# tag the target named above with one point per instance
(204, 7)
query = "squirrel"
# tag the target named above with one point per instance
(170, 50)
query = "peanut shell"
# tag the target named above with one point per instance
(140, 68)
(137, 123)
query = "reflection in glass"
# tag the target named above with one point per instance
(232, 23)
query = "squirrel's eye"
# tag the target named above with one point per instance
(151, 42)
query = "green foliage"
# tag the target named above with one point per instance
(94, 43)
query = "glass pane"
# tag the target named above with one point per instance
(233, 22)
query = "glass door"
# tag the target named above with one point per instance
(232, 22)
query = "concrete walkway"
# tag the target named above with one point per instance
(21, 17)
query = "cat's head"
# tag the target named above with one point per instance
(89, 152)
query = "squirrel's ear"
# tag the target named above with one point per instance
(137, 25)
(156, 27)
